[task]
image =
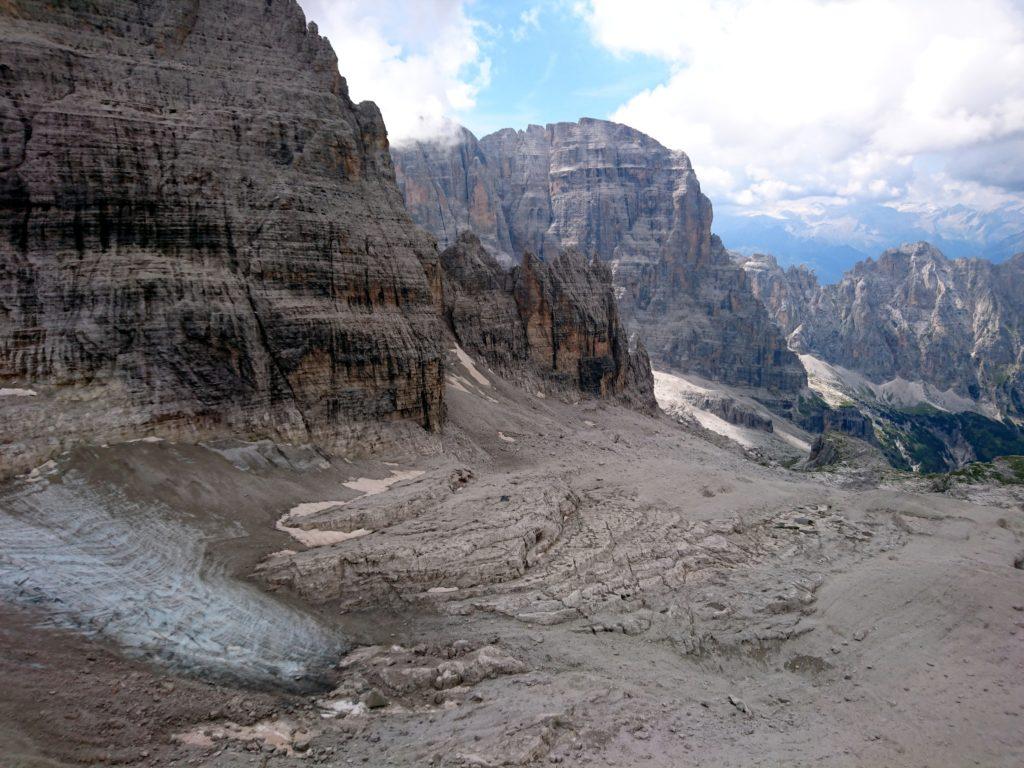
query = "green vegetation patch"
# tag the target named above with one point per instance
(1006, 470)
(929, 437)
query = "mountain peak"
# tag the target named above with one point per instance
(619, 196)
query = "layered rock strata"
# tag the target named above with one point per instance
(554, 322)
(911, 315)
(202, 232)
(449, 189)
(621, 197)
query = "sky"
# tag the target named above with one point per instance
(820, 113)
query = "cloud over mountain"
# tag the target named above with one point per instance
(422, 63)
(786, 103)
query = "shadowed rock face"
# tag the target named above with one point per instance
(449, 189)
(913, 314)
(200, 231)
(617, 195)
(555, 323)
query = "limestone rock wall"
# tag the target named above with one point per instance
(788, 294)
(448, 189)
(619, 196)
(912, 314)
(200, 231)
(553, 322)
(480, 307)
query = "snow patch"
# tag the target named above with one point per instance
(43, 470)
(341, 707)
(457, 382)
(505, 438)
(463, 385)
(308, 508)
(16, 392)
(275, 734)
(470, 366)
(673, 393)
(317, 537)
(369, 486)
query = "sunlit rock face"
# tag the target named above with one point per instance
(202, 233)
(911, 315)
(621, 197)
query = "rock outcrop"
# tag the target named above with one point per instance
(449, 188)
(730, 410)
(788, 294)
(912, 315)
(480, 306)
(201, 232)
(552, 323)
(621, 197)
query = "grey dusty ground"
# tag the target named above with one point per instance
(562, 583)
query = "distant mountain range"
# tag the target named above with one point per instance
(931, 348)
(830, 240)
(918, 352)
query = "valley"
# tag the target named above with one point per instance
(322, 449)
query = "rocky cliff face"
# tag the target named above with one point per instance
(617, 195)
(552, 324)
(203, 235)
(200, 232)
(449, 188)
(480, 306)
(956, 325)
(788, 294)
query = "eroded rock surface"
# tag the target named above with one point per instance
(554, 324)
(449, 189)
(202, 233)
(621, 197)
(914, 315)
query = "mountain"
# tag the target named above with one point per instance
(912, 314)
(203, 236)
(449, 189)
(619, 196)
(910, 330)
(550, 325)
(281, 484)
(831, 238)
(201, 241)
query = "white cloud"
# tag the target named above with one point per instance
(528, 20)
(778, 100)
(422, 63)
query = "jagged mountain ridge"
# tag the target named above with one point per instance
(912, 314)
(617, 195)
(203, 236)
(550, 325)
(928, 348)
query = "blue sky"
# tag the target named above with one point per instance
(546, 68)
(818, 117)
